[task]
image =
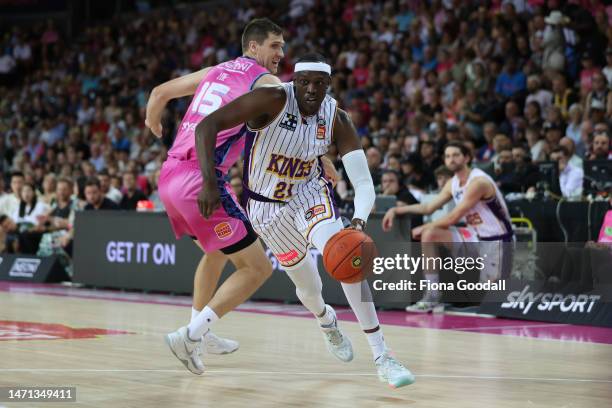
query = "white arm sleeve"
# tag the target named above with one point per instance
(356, 167)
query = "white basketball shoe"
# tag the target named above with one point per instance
(392, 371)
(213, 344)
(337, 342)
(186, 350)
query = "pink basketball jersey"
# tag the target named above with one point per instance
(221, 85)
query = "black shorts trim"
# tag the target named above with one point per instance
(250, 237)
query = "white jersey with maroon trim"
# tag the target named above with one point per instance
(489, 218)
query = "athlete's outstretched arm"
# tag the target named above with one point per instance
(258, 107)
(185, 85)
(356, 166)
(161, 94)
(439, 200)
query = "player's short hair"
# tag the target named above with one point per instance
(312, 57)
(463, 148)
(258, 30)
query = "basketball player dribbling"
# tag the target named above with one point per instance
(227, 234)
(290, 205)
(479, 202)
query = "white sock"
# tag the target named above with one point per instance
(377, 343)
(201, 323)
(327, 318)
(433, 294)
(194, 313)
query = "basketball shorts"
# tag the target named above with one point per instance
(496, 254)
(285, 227)
(227, 229)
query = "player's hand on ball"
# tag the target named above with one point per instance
(208, 200)
(357, 224)
(155, 127)
(387, 222)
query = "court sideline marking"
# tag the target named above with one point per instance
(334, 374)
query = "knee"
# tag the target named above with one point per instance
(260, 270)
(429, 235)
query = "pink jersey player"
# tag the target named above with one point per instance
(180, 180)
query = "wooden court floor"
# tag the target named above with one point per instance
(282, 362)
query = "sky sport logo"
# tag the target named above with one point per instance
(24, 267)
(548, 301)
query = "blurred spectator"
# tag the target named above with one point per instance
(392, 185)
(374, 161)
(552, 133)
(600, 148)
(570, 146)
(108, 190)
(9, 203)
(487, 151)
(442, 175)
(513, 122)
(57, 239)
(553, 42)
(563, 97)
(570, 177)
(573, 130)
(587, 73)
(505, 177)
(30, 209)
(526, 173)
(600, 96)
(537, 94)
(131, 194)
(511, 82)
(94, 197)
(608, 68)
(10, 233)
(158, 205)
(48, 189)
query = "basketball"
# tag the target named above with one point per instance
(348, 256)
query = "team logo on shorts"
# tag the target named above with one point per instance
(465, 232)
(223, 230)
(287, 256)
(314, 211)
(321, 129)
(289, 123)
(356, 262)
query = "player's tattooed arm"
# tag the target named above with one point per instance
(257, 108)
(160, 95)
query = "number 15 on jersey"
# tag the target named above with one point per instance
(209, 99)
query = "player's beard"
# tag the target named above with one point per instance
(456, 168)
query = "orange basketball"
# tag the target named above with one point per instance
(348, 256)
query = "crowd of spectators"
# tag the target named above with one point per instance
(520, 82)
